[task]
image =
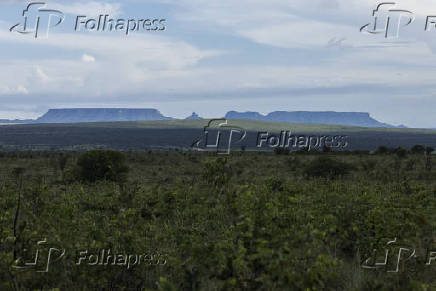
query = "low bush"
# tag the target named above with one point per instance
(102, 165)
(327, 167)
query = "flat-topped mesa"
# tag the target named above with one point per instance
(75, 115)
(362, 119)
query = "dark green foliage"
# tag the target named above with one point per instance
(18, 172)
(382, 150)
(303, 151)
(217, 172)
(274, 183)
(294, 163)
(325, 166)
(102, 165)
(281, 151)
(269, 227)
(326, 149)
(418, 149)
(368, 165)
(62, 161)
(158, 135)
(400, 152)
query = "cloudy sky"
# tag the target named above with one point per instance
(220, 55)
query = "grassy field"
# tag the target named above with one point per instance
(249, 125)
(182, 133)
(248, 221)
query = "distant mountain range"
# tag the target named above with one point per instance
(362, 119)
(76, 115)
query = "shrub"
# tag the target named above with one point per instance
(217, 172)
(293, 163)
(102, 165)
(327, 167)
(281, 151)
(417, 149)
(382, 150)
(303, 150)
(326, 149)
(400, 152)
(369, 165)
(274, 183)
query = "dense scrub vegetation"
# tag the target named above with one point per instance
(101, 165)
(248, 221)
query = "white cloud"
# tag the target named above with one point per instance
(41, 75)
(145, 67)
(20, 89)
(296, 24)
(88, 59)
(298, 34)
(88, 8)
(126, 64)
(153, 64)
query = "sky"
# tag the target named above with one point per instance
(221, 55)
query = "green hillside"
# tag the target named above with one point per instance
(183, 133)
(249, 125)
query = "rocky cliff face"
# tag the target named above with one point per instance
(324, 117)
(75, 115)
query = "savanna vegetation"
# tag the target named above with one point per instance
(247, 221)
(171, 134)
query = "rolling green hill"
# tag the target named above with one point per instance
(249, 125)
(182, 133)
